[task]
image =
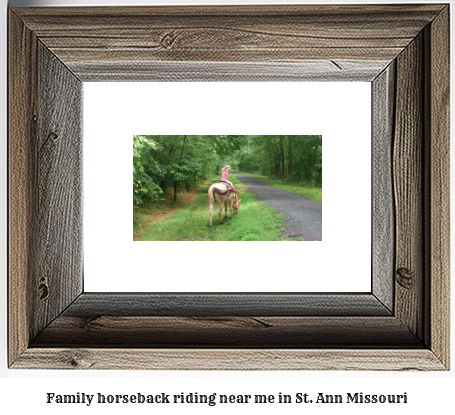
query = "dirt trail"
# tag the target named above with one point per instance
(304, 215)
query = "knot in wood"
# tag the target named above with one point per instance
(405, 278)
(77, 359)
(43, 291)
(53, 136)
(168, 39)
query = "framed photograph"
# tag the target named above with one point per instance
(402, 323)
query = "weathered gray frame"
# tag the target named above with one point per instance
(402, 324)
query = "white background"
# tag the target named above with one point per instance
(340, 111)
(24, 391)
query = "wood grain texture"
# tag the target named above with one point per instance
(45, 187)
(383, 214)
(235, 359)
(58, 215)
(438, 211)
(408, 188)
(156, 71)
(22, 95)
(226, 321)
(226, 332)
(228, 34)
(213, 305)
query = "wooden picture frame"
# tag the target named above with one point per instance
(403, 324)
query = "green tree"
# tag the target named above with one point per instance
(144, 186)
(180, 161)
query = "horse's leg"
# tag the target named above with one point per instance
(211, 212)
(225, 209)
(220, 212)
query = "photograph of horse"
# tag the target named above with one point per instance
(224, 195)
(276, 178)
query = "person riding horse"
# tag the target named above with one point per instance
(224, 176)
(224, 197)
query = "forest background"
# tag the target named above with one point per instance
(180, 162)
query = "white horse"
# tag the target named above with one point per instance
(221, 193)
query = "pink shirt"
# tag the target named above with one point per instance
(224, 176)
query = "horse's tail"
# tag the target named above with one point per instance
(212, 196)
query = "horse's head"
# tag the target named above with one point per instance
(236, 204)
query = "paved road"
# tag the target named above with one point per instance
(304, 215)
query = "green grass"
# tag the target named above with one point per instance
(311, 192)
(255, 221)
